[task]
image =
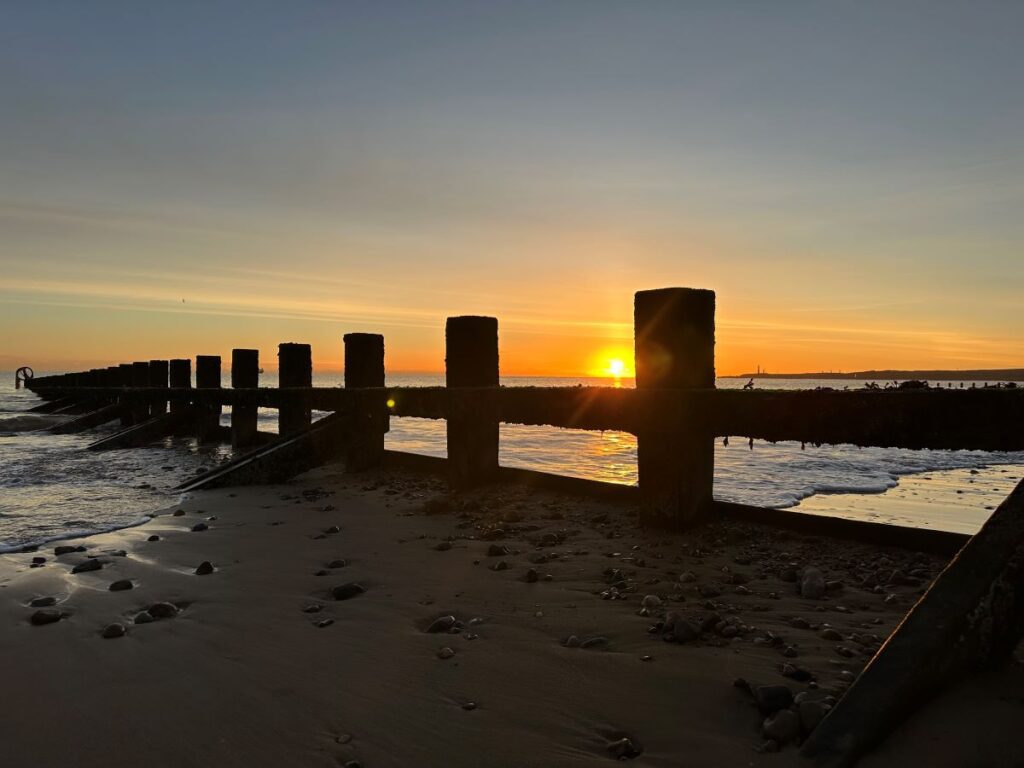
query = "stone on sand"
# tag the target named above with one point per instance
(113, 630)
(121, 585)
(812, 584)
(46, 616)
(347, 591)
(88, 565)
(205, 568)
(42, 602)
(163, 610)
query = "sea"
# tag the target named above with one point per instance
(52, 488)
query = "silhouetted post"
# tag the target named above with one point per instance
(245, 374)
(208, 377)
(158, 373)
(140, 378)
(294, 369)
(471, 360)
(675, 350)
(125, 376)
(180, 378)
(364, 368)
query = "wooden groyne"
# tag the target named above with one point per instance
(676, 414)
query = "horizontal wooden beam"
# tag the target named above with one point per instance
(980, 419)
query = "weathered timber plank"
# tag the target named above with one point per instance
(970, 619)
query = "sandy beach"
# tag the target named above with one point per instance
(263, 666)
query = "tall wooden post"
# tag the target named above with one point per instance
(471, 361)
(364, 369)
(158, 374)
(294, 369)
(140, 378)
(180, 372)
(208, 377)
(245, 374)
(675, 350)
(125, 377)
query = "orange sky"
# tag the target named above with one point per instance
(181, 179)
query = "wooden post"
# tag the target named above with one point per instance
(471, 360)
(125, 377)
(364, 368)
(675, 349)
(294, 369)
(180, 378)
(158, 374)
(245, 374)
(970, 620)
(208, 377)
(140, 378)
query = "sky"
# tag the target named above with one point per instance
(183, 178)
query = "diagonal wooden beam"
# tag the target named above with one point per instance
(970, 620)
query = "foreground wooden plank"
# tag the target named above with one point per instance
(970, 619)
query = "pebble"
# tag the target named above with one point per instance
(598, 641)
(113, 630)
(88, 565)
(200, 527)
(339, 563)
(142, 617)
(811, 713)
(783, 726)
(443, 546)
(38, 560)
(624, 749)
(347, 591)
(179, 512)
(831, 634)
(445, 653)
(64, 549)
(651, 602)
(469, 706)
(772, 698)
(531, 576)
(205, 568)
(442, 624)
(46, 616)
(501, 565)
(324, 623)
(812, 585)
(121, 585)
(497, 550)
(332, 529)
(42, 602)
(314, 608)
(163, 610)
(154, 537)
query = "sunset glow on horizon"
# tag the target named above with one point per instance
(390, 166)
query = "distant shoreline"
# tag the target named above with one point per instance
(997, 374)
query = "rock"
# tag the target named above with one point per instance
(205, 568)
(497, 550)
(571, 642)
(811, 713)
(651, 602)
(46, 616)
(64, 549)
(771, 698)
(442, 624)
(531, 576)
(798, 622)
(113, 630)
(339, 563)
(38, 560)
(812, 585)
(142, 617)
(121, 585)
(179, 512)
(332, 529)
(324, 623)
(598, 641)
(501, 565)
(624, 749)
(443, 546)
(445, 653)
(88, 565)
(681, 628)
(200, 527)
(831, 634)
(42, 602)
(469, 706)
(154, 537)
(314, 608)
(163, 610)
(783, 726)
(347, 591)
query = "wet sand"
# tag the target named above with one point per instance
(245, 676)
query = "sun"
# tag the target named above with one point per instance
(616, 368)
